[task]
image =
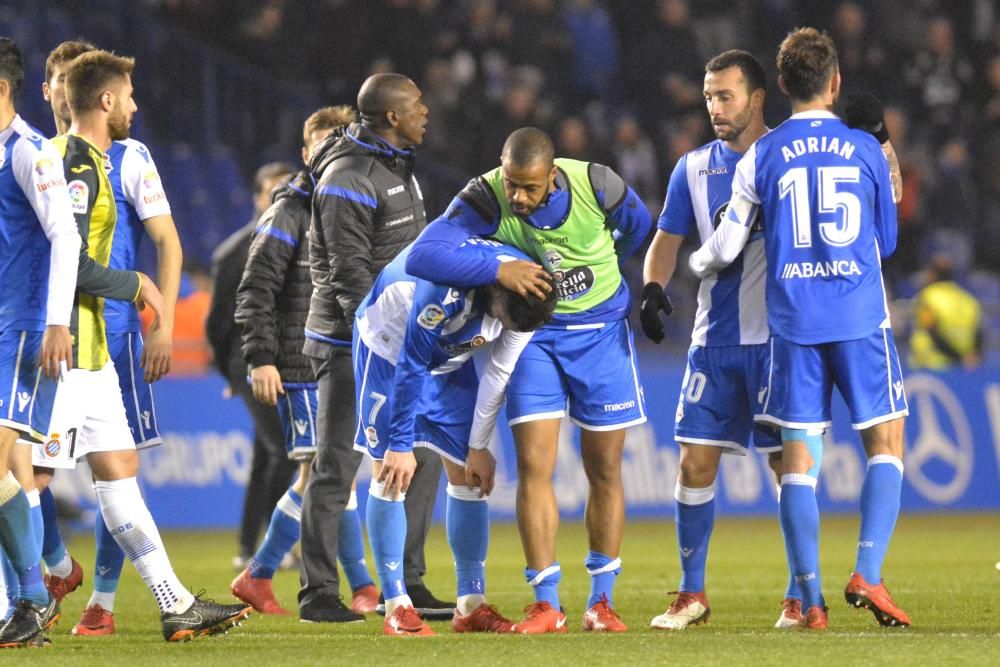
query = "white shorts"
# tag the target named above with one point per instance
(88, 416)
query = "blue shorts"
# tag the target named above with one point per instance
(592, 369)
(444, 412)
(126, 351)
(297, 410)
(798, 384)
(27, 397)
(719, 399)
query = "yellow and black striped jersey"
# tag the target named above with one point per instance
(93, 204)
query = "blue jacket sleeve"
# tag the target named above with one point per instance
(630, 223)
(435, 255)
(428, 316)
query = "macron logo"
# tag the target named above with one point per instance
(897, 388)
(22, 400)
(761, 394)
(300, 426)
(393, 566)
(395, 191)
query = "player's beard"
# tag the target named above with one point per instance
(118, 126)
(739, 123)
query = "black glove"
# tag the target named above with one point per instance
(654, 299)
(866, 112)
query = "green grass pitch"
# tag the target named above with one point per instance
(941, 568)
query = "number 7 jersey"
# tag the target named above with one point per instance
(825, 197)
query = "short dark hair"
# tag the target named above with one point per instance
(270, 171)
(526, 146)
(806, 61)
(65, 52)
(378, 95)
(527, 313)
(327, 118)
(750, 67)
(11, 64)
(90, 74)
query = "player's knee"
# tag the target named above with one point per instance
(698, 466)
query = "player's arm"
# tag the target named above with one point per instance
(886, 226)
(158, 347)
(345, 209)
(626, 213)
(727, 242)
(45, 188)
(866, 112)
(272, 253)
(435, 255)
(676, 218)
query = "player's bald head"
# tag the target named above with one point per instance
(527, 146)
(380, 94)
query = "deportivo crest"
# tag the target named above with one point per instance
(371, 435)
(431, 316)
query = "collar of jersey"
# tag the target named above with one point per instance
(813, 113)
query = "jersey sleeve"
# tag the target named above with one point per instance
(627, 214)
(886, 224)
(493, 385)
(677, 216)
(141, 183)
(38, 170)
(435, 255)
(92, 277)
(729, 238)
(424, 327)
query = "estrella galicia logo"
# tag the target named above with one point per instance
(574, 283)
(940, 455)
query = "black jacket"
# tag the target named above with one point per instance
(223, 335)
(366, 208)
(273, 297)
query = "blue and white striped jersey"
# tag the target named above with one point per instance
(35, 218)
(731, 308)
(824, 193)
(139, 196)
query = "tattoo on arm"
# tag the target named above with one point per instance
(895, 175)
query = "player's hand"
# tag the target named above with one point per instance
(654, 300)
(149, 295)
(157, 352)
(266, 383)
(57, 349)
(525, 278)
(480, 470)
(397, 472)
(865, 111)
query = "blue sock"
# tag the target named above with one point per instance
(467, 521)
(800, 526)
(282, 534)
(546, 583)
(37, 522)
(695, 518)
(17, 537)
(603, 570)
(792, 590)
(879, 509)
(351, 547)
(53, 549)
(109, 558)
(10, 581)
(387, 534)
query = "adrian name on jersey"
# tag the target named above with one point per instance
(822, 144)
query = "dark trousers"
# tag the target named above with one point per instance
(270, 469)
(333, 470)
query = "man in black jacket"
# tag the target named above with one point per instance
(270, 469)
(271, 307)
(366, 208)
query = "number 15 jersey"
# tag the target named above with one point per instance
(825, 197)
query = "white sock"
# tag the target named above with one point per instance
(106, 600)
(133, 528)
(399, 601)
(466, 604)
(63, 568)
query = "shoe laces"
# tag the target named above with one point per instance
(684, 598)
(408, 617)
(93, 615)
(793, 606)
(604, 607)
(535, 609)
(494, 619)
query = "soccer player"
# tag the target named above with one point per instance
(728, 344)
(141, 206)
(417, 386)
(87, 416)
(579, 219)
(39, 250)
(271, 307)
(826, 196)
